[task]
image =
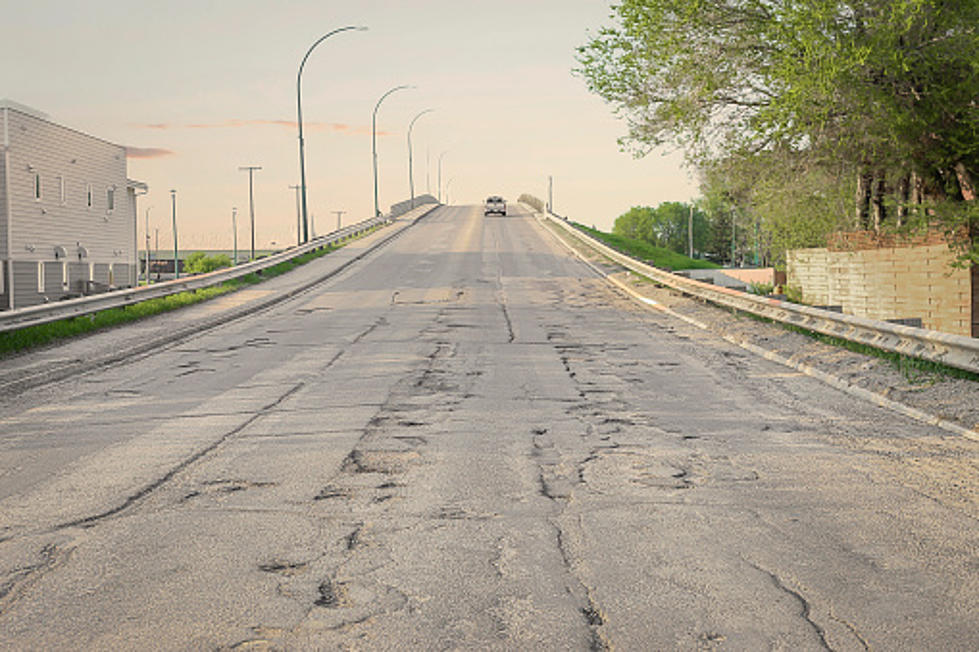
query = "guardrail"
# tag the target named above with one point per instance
(952, 350)
(55, 311)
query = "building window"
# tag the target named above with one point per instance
(37, 186)
(110, 199)
(61, 190)
(88, 195)
(40, 277)
(64, 276)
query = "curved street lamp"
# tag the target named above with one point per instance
(447, 184)
(411, 173)
(299, 111)
(440, 175)
(377, 210)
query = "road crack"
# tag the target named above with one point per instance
(804, 603)
(133, 499)
(20, 579)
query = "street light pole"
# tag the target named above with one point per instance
(176, 263)
(299, 116)
(377, 210)
(299, 218)
(440, 175)
(251, 200)
(234, 233)
(447, 184)
(411, 175)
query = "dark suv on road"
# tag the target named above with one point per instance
(495, 204)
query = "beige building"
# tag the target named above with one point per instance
(67, 211)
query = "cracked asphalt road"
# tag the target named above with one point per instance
(468, 440)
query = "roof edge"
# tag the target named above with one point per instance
(23, 108)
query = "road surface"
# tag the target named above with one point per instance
(468, 441)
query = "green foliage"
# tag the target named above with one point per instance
(642, 250)
(34, 336)
(763, 289)
(785, 103)
(792, 293)
(914, 370)
(664, 226)
(200, 263)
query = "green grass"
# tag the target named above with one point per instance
(656, 256)
(915, 370)
(34, 336)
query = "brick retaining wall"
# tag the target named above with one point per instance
(891, 283)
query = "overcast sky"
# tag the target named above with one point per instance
(199, 88)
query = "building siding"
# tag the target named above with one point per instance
(54, 151)
(3, 201)
(53, 229)
(25, 284)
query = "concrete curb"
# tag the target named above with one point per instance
(831, 380)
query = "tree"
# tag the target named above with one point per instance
(881, 90)
(664, 226)
(635, 223)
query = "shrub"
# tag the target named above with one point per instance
(199, 263)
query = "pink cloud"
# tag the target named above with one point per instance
(290, 124)
(147, 152)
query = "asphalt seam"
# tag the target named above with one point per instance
(833, 381)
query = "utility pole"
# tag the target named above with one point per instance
(234, 233)
(339, 214)
(299, 217)
(690, 232)
(550, 194)
(176, 262)
(251, 200)
(147, 274)
(156, 249)
(428, 180)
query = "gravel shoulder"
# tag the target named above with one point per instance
(952, 399)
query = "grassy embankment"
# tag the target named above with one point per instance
(656, 256)
(34, 336)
